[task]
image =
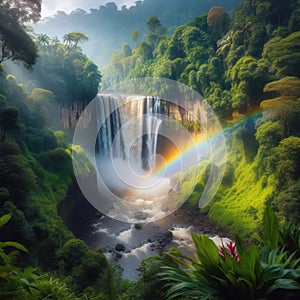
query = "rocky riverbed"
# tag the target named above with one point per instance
(125, 245)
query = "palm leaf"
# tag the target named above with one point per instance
(16, 245)
(207, 250)
(285, 284)
(4, 219)
(270, 234)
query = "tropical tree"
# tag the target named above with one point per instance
(8, 119)
(15, 43)
(74, 38)
(156, 31)
(15, 283)
(284, 55)
(218, 21)
(43, 40)
(135, 35)
(22, 10)
(154, 25)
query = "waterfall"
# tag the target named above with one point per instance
(151, 123)
(142, 121)
(136, 149)
(109, 142)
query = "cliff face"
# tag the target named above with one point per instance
(188, 112)
(76, 211)
(69, 115)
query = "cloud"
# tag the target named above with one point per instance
(49, 7)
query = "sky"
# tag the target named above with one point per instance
(49, 7)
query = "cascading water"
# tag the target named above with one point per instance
(109, 143)
(112, 138)
(151, 126)
(136, 179)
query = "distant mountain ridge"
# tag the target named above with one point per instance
(109, 27)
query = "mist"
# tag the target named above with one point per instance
(109, 26)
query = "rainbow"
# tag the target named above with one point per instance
(194, 151)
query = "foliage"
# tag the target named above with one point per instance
(149, 285)
(39, 140)
(233, 271)
(283, 53)
(8, 120)
(15, 42)
(135, 35)
(72, 253)
(44, 106)
(242, 63)
(74, 38)
(218, 21)
(248, 78)
(47, 287)
(114, 25)
(287, 86)
(15, 173)
(63, 72)
(14, 282)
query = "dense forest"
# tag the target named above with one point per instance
(245, 63)
(104, 26)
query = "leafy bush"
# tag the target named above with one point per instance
(233, 271)
(14, 281)
(72, 254)
(90, 270)
(39, 140)
(15, 174)
(51, 288)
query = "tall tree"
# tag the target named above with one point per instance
(218, 21)
(15, 43)
(8, 120)
(135, 35)
(154, 24)
(74, 38)
(22, 10)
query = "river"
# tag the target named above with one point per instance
(139, 240)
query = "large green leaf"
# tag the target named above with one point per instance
(13, 244)
(285, 284)
(270, 233)
(4, 219)
(207, 250)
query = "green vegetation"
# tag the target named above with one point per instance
(15, 42)
(36, 167)
(265, 271)
(109, 26)
(64, 70)
(246, 65)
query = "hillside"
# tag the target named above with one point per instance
(236, 62)
(108, 26)
(246, 64)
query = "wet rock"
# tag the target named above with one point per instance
(164, 238)
(138, 226)
(141, 215)
(120, 247)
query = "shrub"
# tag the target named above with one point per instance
(39, 140)
(72, 254)
(51, 288)
(234, 272)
